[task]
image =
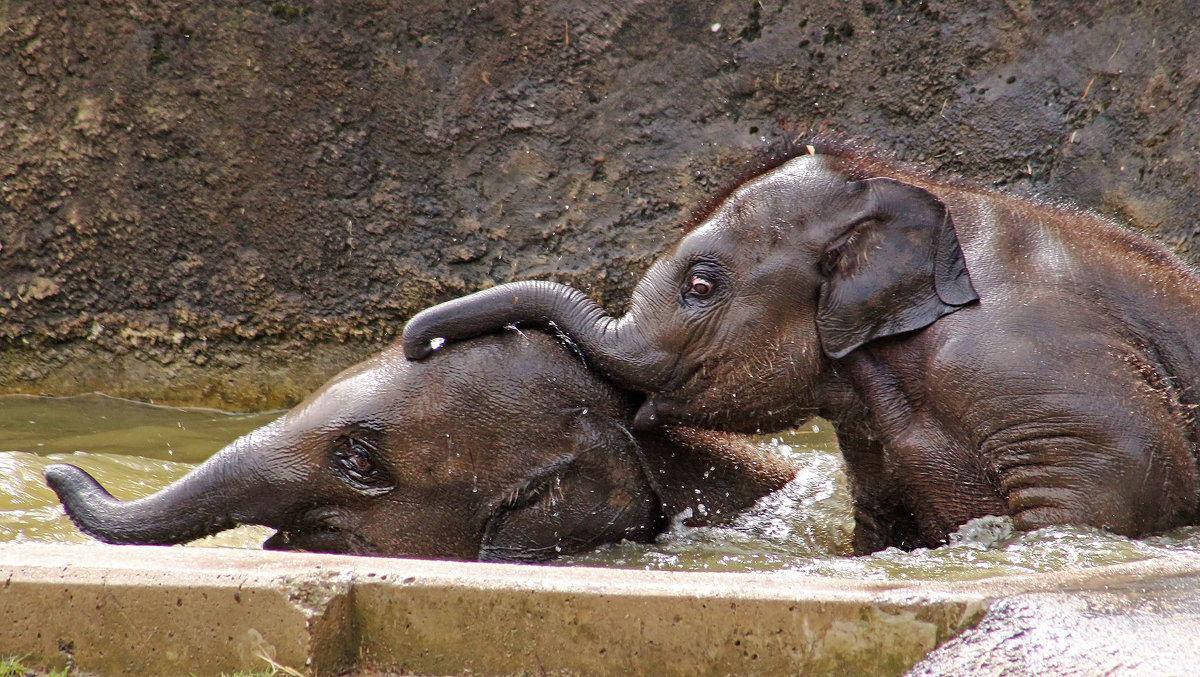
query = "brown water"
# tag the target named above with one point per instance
(131, 448)
(134, 449)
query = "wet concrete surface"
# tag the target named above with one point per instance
(146, 611)
(1146, 625)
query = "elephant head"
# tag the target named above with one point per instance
(504, 449)
(739, 325)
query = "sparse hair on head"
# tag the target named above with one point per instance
(861, 161)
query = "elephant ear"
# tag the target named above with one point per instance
(600, 496)
(896, 268)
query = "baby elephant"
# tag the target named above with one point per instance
(504, 448)
(977, 353)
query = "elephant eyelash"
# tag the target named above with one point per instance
(548, 484)
(828, 262)
(356, 463)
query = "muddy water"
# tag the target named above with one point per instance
(134, 449)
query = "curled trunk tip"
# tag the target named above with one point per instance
(81, 495)
(168, 517)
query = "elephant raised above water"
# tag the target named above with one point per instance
(505, 449)
(977, 353)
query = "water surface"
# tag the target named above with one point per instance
(134, 449)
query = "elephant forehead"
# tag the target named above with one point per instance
(779, 197)
(802, 184)
(353, 394)
(802, 169)
(368, 394)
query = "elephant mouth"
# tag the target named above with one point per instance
(649, 416)
(319, 530)
(659, 410)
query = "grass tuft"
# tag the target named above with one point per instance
(14, 666)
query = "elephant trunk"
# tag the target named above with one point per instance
(217, 495)
(615, 347)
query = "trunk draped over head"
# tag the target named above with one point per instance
(615, 347)
(219, 494)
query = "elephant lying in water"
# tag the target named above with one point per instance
(977, 353)
(504, 449)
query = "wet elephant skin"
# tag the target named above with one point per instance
(978, 353)
(506, 449)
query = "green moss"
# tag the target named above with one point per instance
(288, 11)
(15, 667)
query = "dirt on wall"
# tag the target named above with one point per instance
(224, 203)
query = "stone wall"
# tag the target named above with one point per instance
(224, 203)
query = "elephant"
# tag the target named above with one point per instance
(977, 353)
(506, 448)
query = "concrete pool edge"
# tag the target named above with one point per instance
(130, 610)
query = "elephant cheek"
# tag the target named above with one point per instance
(428, 528)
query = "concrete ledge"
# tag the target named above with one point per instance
(163, 611)
(159, 611)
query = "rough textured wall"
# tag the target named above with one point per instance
(223, 203)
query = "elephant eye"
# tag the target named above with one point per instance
(705, 281)
(356, 461)
(699, 286)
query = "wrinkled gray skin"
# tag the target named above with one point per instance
(977, 354)
(505, 448)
